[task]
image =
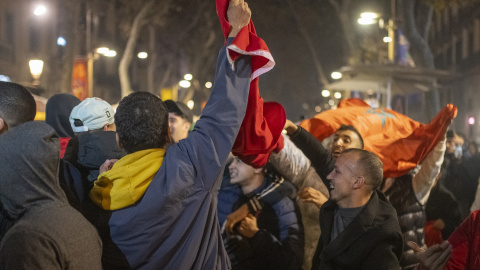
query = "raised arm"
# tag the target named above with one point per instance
(212, 139)
(313, 149)
(424, 180)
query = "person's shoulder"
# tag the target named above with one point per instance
(386, 215)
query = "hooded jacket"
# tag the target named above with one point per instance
(84, 155)
(57, 113)
(47, 232)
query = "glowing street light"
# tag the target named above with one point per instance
(367, 18)
(36, 69)
(188, 77)
(337, 95)
(336, 75)
(142, 55)
(190, 104)
(325, 93)
(208, 85)
(111, 53)
(387, 39)
(61, 41)
(40, 10)
(184, 84)
(103, 50)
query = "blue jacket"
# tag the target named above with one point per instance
(175, 225)
(279, 244)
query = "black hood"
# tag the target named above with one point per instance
(57, 113)
(29, 166)
(88, 151)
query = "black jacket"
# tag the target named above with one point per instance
(373, 240)
(84, 155)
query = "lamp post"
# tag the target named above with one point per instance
(367, 18)
(36, 69)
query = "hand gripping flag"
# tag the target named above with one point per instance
(260, 132)
(400, 142)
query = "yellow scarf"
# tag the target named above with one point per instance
(128, 179)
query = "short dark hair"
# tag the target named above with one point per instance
(17, 104)
(142, 122)
(371, 166)
(352, 128)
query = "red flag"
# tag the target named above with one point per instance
(262, 125)
(400, 142)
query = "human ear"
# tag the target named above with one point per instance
(359, 181)
(120, 145)
(3, 126)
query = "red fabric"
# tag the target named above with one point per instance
(63, 145)
(400, 142)
(465, 241)
(263, 123)
(432, 236)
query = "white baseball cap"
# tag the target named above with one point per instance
(91, 114)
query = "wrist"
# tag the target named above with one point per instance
(234, 31)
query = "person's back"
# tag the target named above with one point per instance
(47, 232)
(17, 106)
(57, 112)
(158, 208)
(93, 143)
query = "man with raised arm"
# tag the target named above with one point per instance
(156, 208)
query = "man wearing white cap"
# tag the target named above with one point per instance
(93, 123)
(92, 114)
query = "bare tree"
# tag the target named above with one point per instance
(127, 56)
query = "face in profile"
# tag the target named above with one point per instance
(342, 179)
(343, 140)
(179, 127)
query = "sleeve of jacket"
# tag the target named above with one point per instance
(453, 216)
(464, 240)
(25, 250)
(290, 162)
(313, 149)
(287, 251)
(209, 144)
(425, 178)
(386, 253)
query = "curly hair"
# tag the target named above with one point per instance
(17, 105)
(142, 122)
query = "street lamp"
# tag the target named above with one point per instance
(184, 84)
(40, 10)
(371, 18)
(36, 69)
(336, 75)
(142, 55)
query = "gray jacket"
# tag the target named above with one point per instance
(47, 232)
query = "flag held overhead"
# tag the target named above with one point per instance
(400, 142)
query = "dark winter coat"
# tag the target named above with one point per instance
(47, 232)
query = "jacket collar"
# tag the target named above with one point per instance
(351, 233)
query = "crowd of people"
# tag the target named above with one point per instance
(144, 187)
